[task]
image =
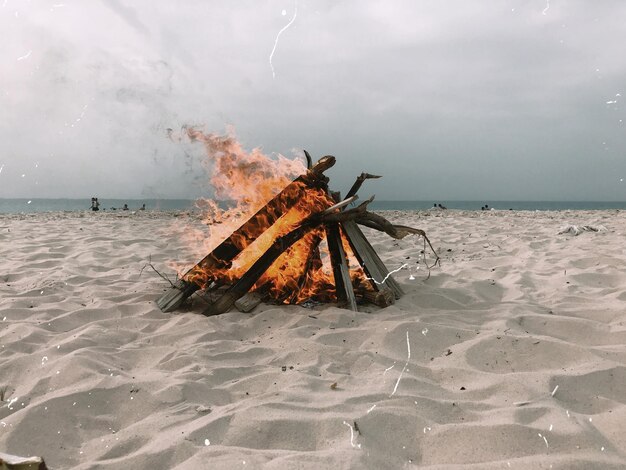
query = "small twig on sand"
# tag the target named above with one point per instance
(437, 258)
(162, 276)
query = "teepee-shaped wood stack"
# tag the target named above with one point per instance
(323, 217)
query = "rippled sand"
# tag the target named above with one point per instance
(510, 355)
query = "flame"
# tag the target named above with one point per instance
(246, 179)
(270, 197)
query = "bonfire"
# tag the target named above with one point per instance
(301, 246)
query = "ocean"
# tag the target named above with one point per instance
(11, 206)
(8, 206)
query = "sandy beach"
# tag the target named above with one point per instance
(512, 354)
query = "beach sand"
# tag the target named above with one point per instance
(512, 354)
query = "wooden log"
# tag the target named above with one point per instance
(176, 295)
(349, 214)
(383, 297)
(245, 282)
(14, 462)
(341, 270)
(369, 259)
(248, 302)
(378, 222)
(249, 231)
(211, 294)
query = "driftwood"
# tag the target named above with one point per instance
(369, 259)
(398, 232)
(309, 160)
(359, 181)
(383, 297)
(341, 270)
(13, 462)
(374, 268)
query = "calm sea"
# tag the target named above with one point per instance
(47, 205)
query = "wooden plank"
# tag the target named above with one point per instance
(15, 462)
(248, 302)
(176, 295)
(341, 270)
(249, 231)
(383, 297)
(252, 275)
(369, 259)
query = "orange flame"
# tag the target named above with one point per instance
(246, 179)
(250, 181)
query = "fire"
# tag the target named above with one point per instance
(270, 198)
(246, 179)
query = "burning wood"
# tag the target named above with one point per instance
(282, 253)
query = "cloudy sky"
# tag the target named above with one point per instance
(465, 100)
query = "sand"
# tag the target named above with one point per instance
(511, 354)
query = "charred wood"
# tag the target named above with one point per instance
(381, 298)
(341, 270)
(249, 231)
(313, 262)
(245, 282)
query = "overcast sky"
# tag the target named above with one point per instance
(465, 100)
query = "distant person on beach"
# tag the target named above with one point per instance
(442, 207)
(143, 207)
(125, 208)
(95, 205)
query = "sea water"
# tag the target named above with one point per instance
(8, 206)
(53, 205)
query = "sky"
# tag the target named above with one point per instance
(447, 100)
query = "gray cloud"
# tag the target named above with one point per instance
(448, 100)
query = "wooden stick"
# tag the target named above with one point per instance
(341, 270)
(340, 205)
(378, 222)
(349, 214)
(369, 259)
(245, 282)
(250, 230)
(359, 181)
(309, 160)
